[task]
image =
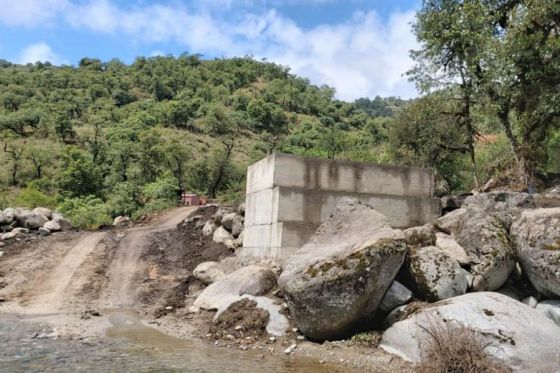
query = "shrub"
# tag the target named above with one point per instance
(454, 348)
(31, 198)
(86, 212)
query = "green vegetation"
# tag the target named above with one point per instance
(104, 138)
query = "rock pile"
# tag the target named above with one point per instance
(15, 222)
(225, 226)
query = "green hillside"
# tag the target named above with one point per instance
(105, 139)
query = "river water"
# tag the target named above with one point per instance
(130, 346)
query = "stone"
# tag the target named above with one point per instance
(338, 278)
(208, 272)
(450, 203)
(44, 231)
(505, 206)
(218, 216)
(551, 309)
(121, 221)
(64, 224)
(227, 221)
(530, 301)
(221, 235)
(434, 275)
(209, 228)
(517, 335)
(487, 244)
(237, 226)
(31, 220)
(451, 223)
(241, 209)
(277, 324)
(14, 233)
(537, 237)
(251, 280)
(43, 211)
(52, 226)
(448, 245)
(396, 296)
(3, 219)
(9, 215)
(420, 236)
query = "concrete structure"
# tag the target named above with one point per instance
(288, 197)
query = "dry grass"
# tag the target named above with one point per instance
(453, 348)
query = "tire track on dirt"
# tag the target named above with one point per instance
(52, 291)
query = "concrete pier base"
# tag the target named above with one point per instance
(288, 197)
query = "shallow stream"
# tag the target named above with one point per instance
(130, 346)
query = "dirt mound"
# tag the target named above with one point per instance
(172, 256)
(241, 319)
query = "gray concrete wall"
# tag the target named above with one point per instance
(288, 197)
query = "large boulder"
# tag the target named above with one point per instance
(209, 228)
(517, 335)
(9, 215)
(451, 223)
(396, 296)
(537, 237)
(487, 244)
(252, 280)
(505, 206)
(31, 220)
(434, 275)
(221, 235)
(448, 245)
(338, 278)
(43, 211)
(420, 236)
(208, 272)
(227, 221)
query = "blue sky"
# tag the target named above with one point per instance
(360, 47)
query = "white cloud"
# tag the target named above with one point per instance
(363, 56)
(30, 13)
(39, 52)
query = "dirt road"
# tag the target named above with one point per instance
(118, 292)
(50, 277)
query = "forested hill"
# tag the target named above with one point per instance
(105, 138)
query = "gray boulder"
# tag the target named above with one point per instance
(241, 209)
(52, 226)
(221, 235)
(338, 278)
(209, 228)
(505, 206)
(238, 225)
(396, 296)
(227, 221)
(252, 280)
(14, 233)
(420, 236)
(43, 211)
(537, 237)
(448, 245)
(487, 244)
(435, 275)
(208, 272)
(451, 223)
(517, 335)
(44, 231)
(9, 215)
(551, 309)
(219, 215)
(31, 220)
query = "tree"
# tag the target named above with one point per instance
(503, 54)
(14, 152)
